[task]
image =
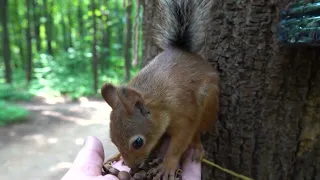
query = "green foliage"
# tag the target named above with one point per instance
(68, 70)
(10, 93)
(11, 113)
(67, 67)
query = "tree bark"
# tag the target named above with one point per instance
(36, 21)
(70, 27)
(19, 39)
(6, 41)
(47, 10)
(135, 60)
(94, 50)
(29, 45)
(127, 55)
(120, 28)
(80, 19)
(150, 49)
(104, 62)
(65, 34)
(269, 125)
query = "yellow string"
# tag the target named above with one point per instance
(226, 170)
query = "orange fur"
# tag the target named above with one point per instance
(181, 91)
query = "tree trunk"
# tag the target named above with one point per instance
(120, 28)
(150, 49)
(80, 19)
(127, 55)
(65, 34)
(94, 50)
(29, 45)
(269, 123)
(36, 21)
(135, 60)
(106, 40)
(70, 27)
(47, 10)
(18, 38)
(104, 62)
(6, 41)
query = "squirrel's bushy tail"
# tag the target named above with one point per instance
(182, 23)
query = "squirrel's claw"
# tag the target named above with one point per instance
(116, 157)
(160, 173)
(166, 175)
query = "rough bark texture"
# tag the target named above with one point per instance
(136, 42)
(6, 41)
(269, 123)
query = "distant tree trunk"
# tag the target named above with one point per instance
(36, 21)
(19, 40)
(135, 60)
(269, 123)
(104, 62)
(65, 34)
(127, 55)
(106, 39)
(29, 45)
(47, 10)
(119, 28)
(80, 19)
(6, 40)
(94, 50)
(70, 28)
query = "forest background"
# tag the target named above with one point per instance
(65, 48)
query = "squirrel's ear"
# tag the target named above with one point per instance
(129, 98)
(109, 94)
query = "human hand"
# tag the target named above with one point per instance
(89, 161)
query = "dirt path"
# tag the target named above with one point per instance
(45, 146)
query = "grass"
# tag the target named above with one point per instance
(11, 113)
(10, 93)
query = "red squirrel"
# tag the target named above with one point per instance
(176, 94)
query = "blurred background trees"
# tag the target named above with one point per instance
(67, 47)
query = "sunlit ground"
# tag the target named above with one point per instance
(44, 147)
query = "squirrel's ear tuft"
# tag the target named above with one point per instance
(129, 98)
(109, 94)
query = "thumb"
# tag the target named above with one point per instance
(89, 160)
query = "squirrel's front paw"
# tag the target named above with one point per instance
(116, 157)
(166, 171)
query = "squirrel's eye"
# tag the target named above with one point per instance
(137, 143)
